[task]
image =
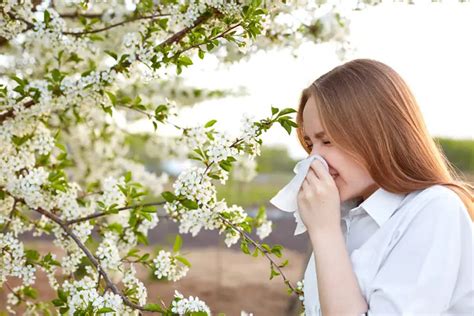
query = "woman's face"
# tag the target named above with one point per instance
(351, 178)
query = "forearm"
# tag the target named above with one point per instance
(339, 292)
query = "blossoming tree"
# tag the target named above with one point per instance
(68, 70)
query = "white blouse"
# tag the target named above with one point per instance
(412, 253)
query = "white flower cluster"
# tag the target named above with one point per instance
(52, 34)
(235, 215)
(194, 137)
(85, 86)
(107, 252)
(192, 221)
(27, 186)
(5, 208)
(220, 148)
(132, 283)
(300, 287)
(195, 184)
(9, 28)
(83, 293)
(182, 306)
(111, 192)
(248, 132)
(42, 142)
(13, 261)
(166, 266)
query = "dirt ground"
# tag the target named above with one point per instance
(226, 279)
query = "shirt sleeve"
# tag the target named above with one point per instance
(420, 274)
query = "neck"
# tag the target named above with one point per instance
(369, 190)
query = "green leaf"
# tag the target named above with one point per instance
(96, 38)
(128, 176)
(112, 97)
(104, 310)
(62, 295)
(183, 260)
(286, 111)
(201, 53)
(133, 252)
(111, 54)
(284, 264)
(244, 246)
(30, 292)
(225, 165)
(32, 255)
(274, 110)
(153, 307)
(276, 250)
(273, 273)
(178, 242)
(141, 238)
(210, 123)
(163, 23)
(169, 196)
(144, 258)
(149, 209)
(63, 310)
(56, 75)
(46, 17)
(185, 61)
(189, 204)
(57, 302)
(286, 126)
(115, 227)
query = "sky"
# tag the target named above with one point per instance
(430, 46)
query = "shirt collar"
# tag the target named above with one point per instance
(380, 205)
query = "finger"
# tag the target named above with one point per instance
(320, 170)
(312, 178)
(305, 184)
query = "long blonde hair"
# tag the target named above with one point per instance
(368, 110)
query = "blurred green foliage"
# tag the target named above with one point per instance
(460, 152)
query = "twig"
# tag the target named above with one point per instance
(264, 251)
(100, 214)
(108, 27)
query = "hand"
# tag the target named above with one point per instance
(318, 200)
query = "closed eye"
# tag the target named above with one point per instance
(311, 145)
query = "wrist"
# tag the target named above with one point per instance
(324, 234)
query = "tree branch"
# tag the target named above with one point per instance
(91, 257)
(264, 251)
(11, 113)
(108, 27)
(100, 214)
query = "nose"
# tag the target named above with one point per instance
(322, 154)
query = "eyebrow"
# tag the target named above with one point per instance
(317, 135)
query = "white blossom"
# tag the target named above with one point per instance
(264, 229)
(167, 266)
(182, 305)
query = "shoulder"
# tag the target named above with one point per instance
(438, 206)
(438, 197)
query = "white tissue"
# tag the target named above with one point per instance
(286, 198)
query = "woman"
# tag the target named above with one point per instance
(390, 222)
